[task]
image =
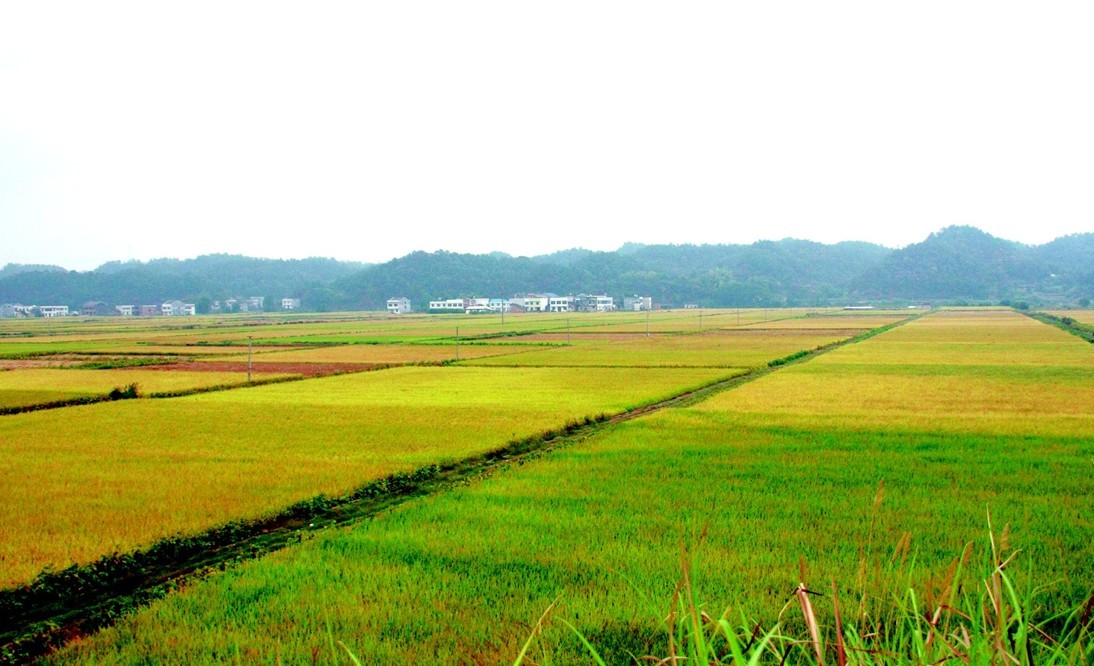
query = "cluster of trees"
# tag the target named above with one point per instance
(952, 265)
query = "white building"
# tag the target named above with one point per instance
(290, 303)
(125, 310)
(531, 302)
(399, 305)
(448, 305)
(256, 302)
(178, 309)
(476, 305)
(560, 303)
(53, 310)
(637, 303)
(594, 303)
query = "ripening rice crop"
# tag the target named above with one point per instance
(72, 383)
(116, 476)
(765, 491)
(386, 353)
(714, 348)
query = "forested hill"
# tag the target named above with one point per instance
(966, 263)
(955, 264)
(217, 276)
(766, 273)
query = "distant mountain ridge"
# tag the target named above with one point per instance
(955, 264)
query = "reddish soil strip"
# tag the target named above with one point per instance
(777, 332)
(306, 369)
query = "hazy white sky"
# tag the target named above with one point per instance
(367, 130)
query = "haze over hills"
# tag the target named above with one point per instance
(953, 265)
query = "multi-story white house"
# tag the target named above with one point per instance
(531, 302)
(560, 303)
(178, 309)
(398, 305)
(594, 303)
(498, 305)
(53, 310)
(290, 303)
(637, 303)
(125, 310)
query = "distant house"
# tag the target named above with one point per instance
(178, 309)
(530, 302)
(97, 309)
(53, 310)
(256, 302)
(150, 310)
(560, 303)
(448, 305)
(637, 303)
(7, 311)
(290, 303)
(125, 310)
(398, 305)
(594, 303)
(476, 305)
(858, 307)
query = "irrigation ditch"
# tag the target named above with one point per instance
(60, 606)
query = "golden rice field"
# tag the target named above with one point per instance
(86, 481)
(389, 353)
(993, 371)
(18, 387)
(1081, 316)
(713, 348)
(780, 474)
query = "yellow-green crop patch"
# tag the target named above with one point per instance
(713, 348)
(394, 354)
(116, 476)
(990, 372)
(1081, 316)
(19, 386)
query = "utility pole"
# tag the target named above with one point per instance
(250, 341)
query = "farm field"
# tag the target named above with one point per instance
(732, 348)
(26, 387)
(777, 472)
(386, 353)
(1081, 316)
(85, 481)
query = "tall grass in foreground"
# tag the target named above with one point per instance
(993, 622)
